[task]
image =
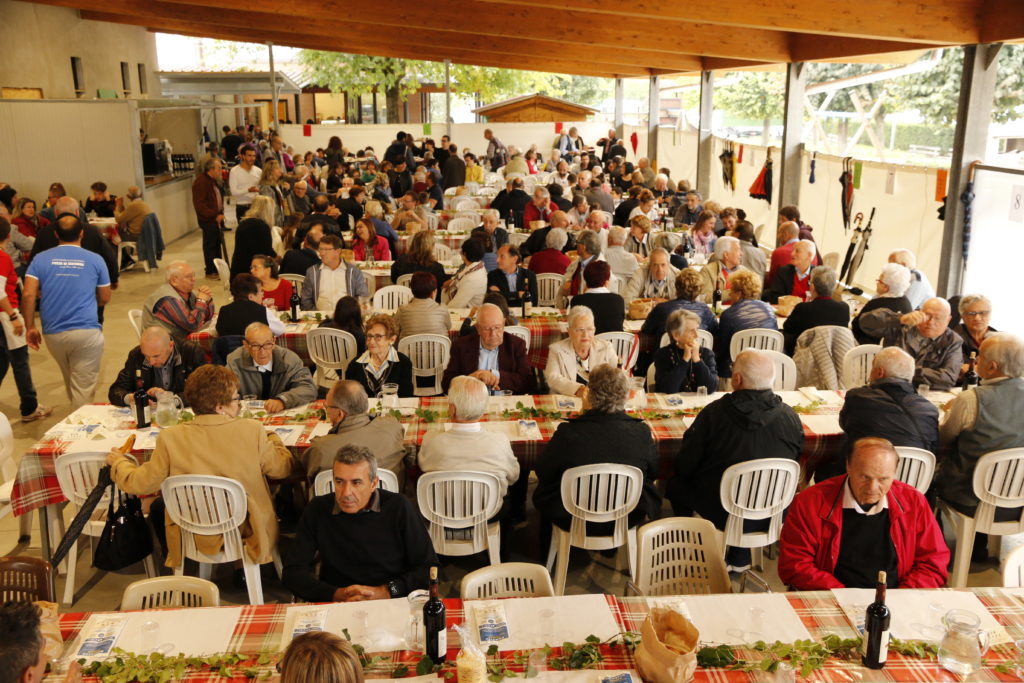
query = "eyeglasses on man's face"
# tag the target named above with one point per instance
(268, 346)
(977, 314)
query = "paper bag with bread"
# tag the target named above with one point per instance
(668, 647)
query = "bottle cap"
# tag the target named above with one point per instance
(881, 577)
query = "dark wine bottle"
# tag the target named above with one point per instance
(294, 301)
(141, 399)
(876, 629)
(971, 378)
(434, 623)
(716, 298)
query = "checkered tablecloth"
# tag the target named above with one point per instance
(260, 629)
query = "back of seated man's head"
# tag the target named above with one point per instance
(349, 397)
(467, 399)
(313, 235)
(789, 231)
(892, 361)
(1003, 355)
(69, 228)
(320, 203)
(517, 183)
(755, 370)
(21, 643)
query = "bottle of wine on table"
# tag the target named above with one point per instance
(141, 400)
(434, 626)
(971, 378)
(876, 629)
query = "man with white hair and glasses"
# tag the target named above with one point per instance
(749, 423)
(975, 313)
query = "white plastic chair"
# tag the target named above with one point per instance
(785, 371)
(467, 204)
(77, 474)
(704, 338)
(916, 467)
(457, 506)
(8, 473)
(548, 284)
(507, 580)
(603, 492)
(324, 482)
(429, 354)
(1013, 569)
(330, 350)
(296, 280)
(462, 224)
(224, 271)
(831, 260)
(163, 592)
(857, 364)
(207, 506)
(998, 483)
(680, 556)
(521, 332)
(472, 214)
(517, 239)
(626, 347)
(758, 338)
(404, 280)
(757, 489)
(391, 297)
(443, 253)
(135, 318)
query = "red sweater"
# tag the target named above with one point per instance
(9, 278)
(381, 250)
(549, 261)
(809, 544)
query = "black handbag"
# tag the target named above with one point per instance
(125, 539)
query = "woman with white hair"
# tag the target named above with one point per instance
(891, 288)
(684, 365)
(570, 360)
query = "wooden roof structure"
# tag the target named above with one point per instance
(606, 38)
(535, 108)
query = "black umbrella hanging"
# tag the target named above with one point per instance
(967, 199)
(727, 158)
(846, 198)
(858, 220)
(861, 248)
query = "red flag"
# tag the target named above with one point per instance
(307, 130)
(634, 139)
(558, 126)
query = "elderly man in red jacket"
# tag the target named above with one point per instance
(843, 531)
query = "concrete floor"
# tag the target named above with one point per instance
(96, 590)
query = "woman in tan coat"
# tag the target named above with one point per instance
(218, 443)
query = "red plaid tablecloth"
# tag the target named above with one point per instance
(260, 629)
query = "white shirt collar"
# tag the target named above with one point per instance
(464, 427)
(269, 367)
(324, 266)
(598, 290)
(850, 502)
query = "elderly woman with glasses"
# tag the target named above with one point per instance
(217, 442)
(570, 360)
(382, 363)
(684, 365)
(891, 288)
(975, 314)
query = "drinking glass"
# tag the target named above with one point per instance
(414, 639)
(702, 391)
(923, 389)
(150, 636)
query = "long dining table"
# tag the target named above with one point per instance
(528, 421)
(260, 633)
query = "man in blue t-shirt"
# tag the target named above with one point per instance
(68, 281)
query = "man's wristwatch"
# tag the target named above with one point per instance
(393, 590)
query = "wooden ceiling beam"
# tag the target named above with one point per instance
(1003, 21)
(808, 48)
(368, 47)
(934, 21)
(435, 42)
(565, 30)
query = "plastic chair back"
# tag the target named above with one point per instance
(857, 364)
(391, 297)
(626, 347)
(224, 271)
(404, 280)
(429, 354)
(324, 482)
(999, 483)
(521, 332)
(443, 254)
(757, 489)
(78, 473)
(507, 580)
(206, 505)
(460, 224)
(135, 318)
(163, 592)
(457, 505)
(758, 338)
(330, 349)
(603, 492)
(516, 239)
(680, 556)
(471, 213)
(548, 284)
(26, 579)
(296, 280)
(785, 371)
(915, 467)
(1013, 569)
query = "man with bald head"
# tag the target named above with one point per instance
(178, 305)
(271, 373)
(786, 237)
(68, 282)
(925, 335)
(492, 355)
(164, 366)
(841, 532)
(751, 422)
(793, 279)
